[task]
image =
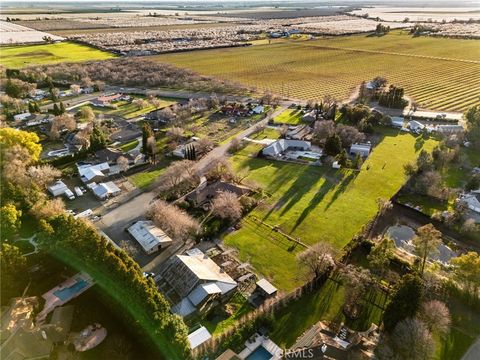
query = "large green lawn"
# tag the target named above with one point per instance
(317, 204)
(22, 56)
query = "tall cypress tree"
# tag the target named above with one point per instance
(146, 133)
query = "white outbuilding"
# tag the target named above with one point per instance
(361, 149)
(150, 237)
(105, 190)
(58, 188)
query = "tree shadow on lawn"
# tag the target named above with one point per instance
(277, 181)
(372, 310)
(293, 194)
(317, 199)
(293, 320)
(342, 187)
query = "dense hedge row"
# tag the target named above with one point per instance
(78, 244)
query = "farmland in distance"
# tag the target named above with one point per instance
(22, 56)
(440, 74)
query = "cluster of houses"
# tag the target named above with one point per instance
(430, 125)
(94, 175)
(239, 109)
(301, 150)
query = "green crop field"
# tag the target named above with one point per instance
(290, 117)
(316, 203)
(22, 56)
(437, 73)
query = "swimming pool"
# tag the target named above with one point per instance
(67, 293)
(260, 353)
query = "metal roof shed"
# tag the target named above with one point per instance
(198, 337)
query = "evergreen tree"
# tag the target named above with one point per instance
(62, 108)
(342, 158)
(31, 108)
(98, 139)
(56, 109)
(146, 133)
(333, 145)
(334, 111)
(405, 302)
(12, 89)
(358, 162)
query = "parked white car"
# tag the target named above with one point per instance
(78, 191)
(69, 194)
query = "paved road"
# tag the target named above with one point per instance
(473, 352)
(114, 222)
(204, 164)
(176, 94)
(69, 103)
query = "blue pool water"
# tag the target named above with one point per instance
(260, 353)
(67, 293)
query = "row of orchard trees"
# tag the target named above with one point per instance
(77, 244)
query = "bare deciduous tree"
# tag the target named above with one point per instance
(42, 175)
(140, 103)
(323, 129)
(75, 89)
(175, 133)
(175, 174)
(166, 114)
(317, 259)
(86, 114)
(204, 145)
(235, 145)
(357, 281)
(123, 163)
(62, 122)
(128, 247)
(220, 169)
(436, 316)
(226, 205)
(173, 220)
(44, 209)
(412, 340)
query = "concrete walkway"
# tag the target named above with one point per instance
(262, 142)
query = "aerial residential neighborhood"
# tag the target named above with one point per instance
(240, 180)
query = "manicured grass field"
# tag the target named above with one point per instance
(267, 133)
(324, 304)
(317, 204)
(22, 56)
(438, 73)
(144, 179)
(290, 117)
(129, 146)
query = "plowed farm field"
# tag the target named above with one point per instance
(437, 73)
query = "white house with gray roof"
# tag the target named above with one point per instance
(277, 148)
